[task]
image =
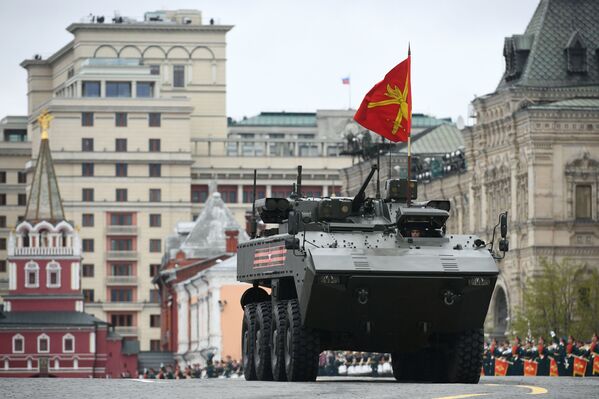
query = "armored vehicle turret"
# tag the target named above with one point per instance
(364, 274)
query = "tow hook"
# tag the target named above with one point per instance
(450, 297)
(362, 296)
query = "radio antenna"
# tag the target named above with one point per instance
(254, 224)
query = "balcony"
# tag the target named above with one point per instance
(121, 280)
(126, 331)
(44, 251)
(121, 255)
(122, 306)
(121, 230)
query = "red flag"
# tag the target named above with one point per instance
(500, 367)
(387, 107)
(596, 365)
(530, 368)
(580, 366)
(553, 368)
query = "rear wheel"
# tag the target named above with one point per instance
(277, 342)
(262, 343)
(465, 362)
(248, 341)
(302, 346)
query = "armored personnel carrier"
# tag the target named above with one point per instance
(364, 274)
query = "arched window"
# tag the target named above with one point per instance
(32, 275)
(18, 344)
(56, 363)
(43, 344)
(68, 343)
(53, 275)
(44, 239)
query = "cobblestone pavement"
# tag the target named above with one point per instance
(504, 387)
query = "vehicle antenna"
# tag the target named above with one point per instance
(378, 171)
(254, 224)
(298, 186)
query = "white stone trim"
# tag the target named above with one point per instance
(79, 306)
(6, 364)
(64, 338)
(32, 266)
(30, 364)
(75, 363)
(14, 338)
(92, 342)
(7, 306)
(39, 338)
(53, 267)
(12, 276)
(56, 363)
(75, 275)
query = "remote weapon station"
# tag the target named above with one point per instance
(364, 274)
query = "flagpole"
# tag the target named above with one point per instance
(409, 188)
(349, 93)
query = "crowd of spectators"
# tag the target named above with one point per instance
(342, 363)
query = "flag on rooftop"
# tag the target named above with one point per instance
(387, 107)
(345, 81)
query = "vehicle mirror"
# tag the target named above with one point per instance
(503, 222)
(504, 245)
(293, 223)
(292, 243)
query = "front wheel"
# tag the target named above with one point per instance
(248, 341)
(465, 362)
(302, 347)
(277, 342)
(262, 346)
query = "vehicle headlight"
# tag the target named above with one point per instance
(329, 279)
(479, 281)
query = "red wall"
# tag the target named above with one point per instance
(65, 277)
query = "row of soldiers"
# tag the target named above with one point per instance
(561, 357)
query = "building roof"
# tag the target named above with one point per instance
(278, 119)
(440, 139)
(538, 57)
(48, 318)
(574, 103)
(207, 238)
(44, 202)
(424, 121)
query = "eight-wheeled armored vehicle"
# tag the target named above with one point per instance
(364, 274)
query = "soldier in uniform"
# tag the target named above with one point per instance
(516, 366)
(571, 351)
(541, 358)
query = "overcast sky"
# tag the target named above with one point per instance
(287, 55)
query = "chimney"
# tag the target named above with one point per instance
(232, 240)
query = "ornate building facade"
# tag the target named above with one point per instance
(534, 152)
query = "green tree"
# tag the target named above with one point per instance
(563, 297)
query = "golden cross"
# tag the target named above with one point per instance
(397, 97)
(44, 121)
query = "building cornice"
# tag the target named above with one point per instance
(152, 26)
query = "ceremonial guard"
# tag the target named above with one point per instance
(516, 367)
(541, 358)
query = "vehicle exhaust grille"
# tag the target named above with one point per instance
(449, 263)
(361, 262)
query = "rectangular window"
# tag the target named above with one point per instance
(121, 269)
(121, 320)
(228, 193)
(120, 145)
(154, 320)
(91, 89)
(145, 89)
(53, 279)
(199, 193)
(121, 295)
(121, 219)
(155, 195)
(121, 244)
(155, 220)
(18, 345)
(32, 278)
(118, 89)
(2, 177)
(87, 245)
(120, 170)
(583, 202)
(88, 295)
(154, 145)
(87, 194)
(87, 220)
(3, 266)
(68, 345)
(21, 177)
(87, 169)
(155, 345)
(154, 119)
(154, 296)
(2, 243)
(281, 191)
(248, 193)
(87, 145)
(121, 195)
(43, 344)
(335, 191)
(154, 69)
(154, 269)
(178, 75)
(2, 221)
(2, 199)
(120, 119)
(22, 199)
(155, 245)
(87, 270)
(312, 191)
(87, 119)
(154, 170)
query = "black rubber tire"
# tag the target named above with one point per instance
(277, 341)
(467, 358)
(302, 347)
(248, 340)
(262, 342)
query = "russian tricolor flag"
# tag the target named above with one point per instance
(345, 81)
